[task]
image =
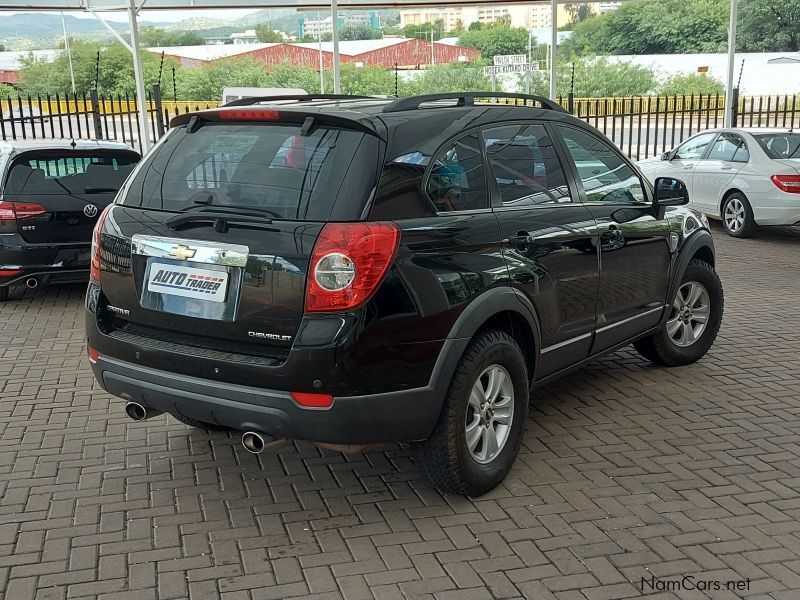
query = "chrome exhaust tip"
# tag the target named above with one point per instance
(137, 412)
(253, 442)
(31, 283)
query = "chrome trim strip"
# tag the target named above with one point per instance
(565, 343)
(213, 253)
(629, 319)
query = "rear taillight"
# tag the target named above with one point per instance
(93, 354)
(94, 271)
(348, 263)
(11, 211)
(10, 272)
(788, 183)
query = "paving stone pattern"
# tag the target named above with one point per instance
(627, 472)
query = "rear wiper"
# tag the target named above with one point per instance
(100, 190)
(221, 220)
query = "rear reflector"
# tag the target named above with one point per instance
(9, 272)
(788, 183)
(10, 211)
(312, 400)
(93, 355)
(249, 115)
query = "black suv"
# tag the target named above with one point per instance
(353, 271)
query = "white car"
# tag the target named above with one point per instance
(746, 177)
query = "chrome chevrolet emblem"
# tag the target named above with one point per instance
(182, 252)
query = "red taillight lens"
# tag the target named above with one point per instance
(10, 211)
(348, 264)
(312, 400)
(10, 272)
(788, 183)
(250, 114)
(94, 271)
(93, 354)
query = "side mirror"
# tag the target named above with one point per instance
(671, 192)
(667, 155)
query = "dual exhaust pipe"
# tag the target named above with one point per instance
(253, 442)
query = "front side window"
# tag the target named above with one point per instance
(525, 165)
(693, 148)
(457, 180)
(729, 147)
(606, 176)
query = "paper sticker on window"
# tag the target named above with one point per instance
(232, 144)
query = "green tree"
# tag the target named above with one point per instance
(154, 36)
(475, 26)
(358, 31)
(206, 82)
(366, 81)
(654, 27)
(447, 78)
(2, 48)
(423, 31)
(769, 26)
(286, 75)
(496, 40)
(686, 84)
(6, 92)
(596, 78)
(579, 12)
(266, 34)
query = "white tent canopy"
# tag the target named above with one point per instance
(133, 7)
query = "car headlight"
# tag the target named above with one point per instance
(704, 220)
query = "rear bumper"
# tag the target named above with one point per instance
(778, 208)
(400, 416)
(49, 263)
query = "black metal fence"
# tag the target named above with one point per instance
(642, 126)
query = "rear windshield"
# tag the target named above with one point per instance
(47, 173)
(265, 167)
(779, 145)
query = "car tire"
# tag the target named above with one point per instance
(492, 368)
(197, 424)
(737, 216)
(685, 338)
(3, 294)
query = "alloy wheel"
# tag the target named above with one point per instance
(735, 215)
(689, 316)
(490, 412)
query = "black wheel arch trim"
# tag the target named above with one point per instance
(697, 240)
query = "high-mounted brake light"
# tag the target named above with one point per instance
(348, 263)
(249, 115)
(94, 270)
(788, 183)
(10, 211)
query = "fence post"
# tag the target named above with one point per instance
(159, 114)
(734, 106)
(571, 103)
(98, 124)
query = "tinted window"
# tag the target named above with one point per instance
(694, 148)
(75, 173)
(779, 145)
(525, 165)
(457, 180)
(605, 175)
(258, 166)
(729, 147)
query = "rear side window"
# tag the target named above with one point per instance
(457, 180)
(46, 173)
(525, 165)
(730, 148)
(779, 145)
(266, 167)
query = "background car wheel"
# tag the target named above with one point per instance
(197, 424)
(737, 216)
(480, 429)
(3, 294)
(694, 320)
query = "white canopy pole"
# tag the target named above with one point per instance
(138, 71)
(69, 53)
(731, 66)
(334, 14)
(553, 46)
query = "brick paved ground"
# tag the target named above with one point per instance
(627, 471)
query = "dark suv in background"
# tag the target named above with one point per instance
(51, 193)
(353, 271)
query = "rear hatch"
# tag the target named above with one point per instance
(210, 246)
(58, 194)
